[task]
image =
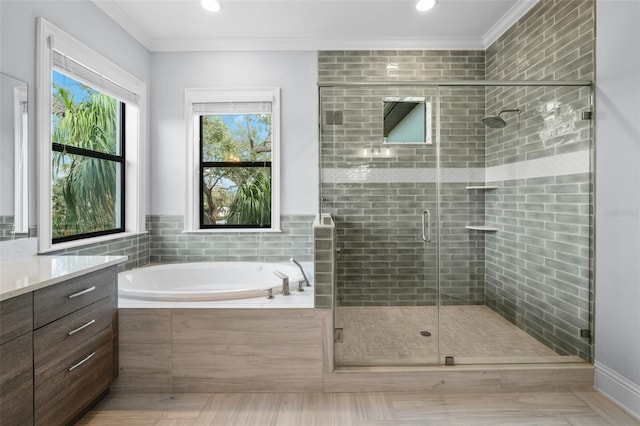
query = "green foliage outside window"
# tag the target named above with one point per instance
(84, 188)
(236, 158)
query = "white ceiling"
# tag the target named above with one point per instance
(182, 25)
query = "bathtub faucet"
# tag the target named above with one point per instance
(285, 282)
(305, 280)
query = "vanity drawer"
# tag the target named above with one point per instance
(56, 301)
(63, 389)
(16, 317)
(66, 334)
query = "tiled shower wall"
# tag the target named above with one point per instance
(538, 263)
(376, 193)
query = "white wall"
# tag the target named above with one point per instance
(617, 330)
(293, 72)
(82, 20)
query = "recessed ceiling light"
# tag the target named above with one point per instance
(424, 5)
(210, 5)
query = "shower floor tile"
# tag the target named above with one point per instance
(473, 334)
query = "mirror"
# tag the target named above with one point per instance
(14, 171)
(406, 120)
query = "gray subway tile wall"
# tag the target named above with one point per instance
(538, 265)
(553, 41)
(325, 264)
(399, 65)
(548, 213)
(382, 259)
(169, 244)
(136, 248)
(6, 227)
(166, 242)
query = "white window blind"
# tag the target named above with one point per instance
(229, 108)
(92, 78)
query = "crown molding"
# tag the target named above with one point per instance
(117, 15)
(195, 45)
(508, 19)
(111, 9)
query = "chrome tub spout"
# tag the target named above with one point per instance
(285, 282)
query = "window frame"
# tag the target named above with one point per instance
(116, 158)
(194, 203)
(224, 164)
(52, 39)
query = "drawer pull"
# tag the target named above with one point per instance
(81, 327)
(74, 366)
(80, 293)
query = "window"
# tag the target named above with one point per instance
(91, 145)
(234, 150)
(88, 163)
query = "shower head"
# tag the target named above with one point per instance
(497, 122)
(494, 122)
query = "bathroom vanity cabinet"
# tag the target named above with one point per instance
(57, 352)
(72, 345)
(16, 361)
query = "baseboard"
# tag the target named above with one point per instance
(618, 388)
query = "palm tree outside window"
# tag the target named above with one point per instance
(235, 166)
(87, 131)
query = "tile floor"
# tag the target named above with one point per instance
(576, 408)
(473, 334)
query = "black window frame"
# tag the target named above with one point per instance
(230, 164)
(117, 158)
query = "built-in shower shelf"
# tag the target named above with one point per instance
(482, 187)
(482, 228)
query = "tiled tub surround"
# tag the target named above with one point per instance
(324, 255)
(170, 244)
(6, 226)
(135, 247)
(287, 350)
(223, 350)
(166, 242)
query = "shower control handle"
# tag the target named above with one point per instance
(426, 226)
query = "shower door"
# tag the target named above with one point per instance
(379, 182)
(472, 246)
(515, 226)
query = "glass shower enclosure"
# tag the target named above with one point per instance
(463, 214)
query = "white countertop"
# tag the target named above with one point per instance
(25, 274)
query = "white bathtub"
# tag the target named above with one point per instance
(206, 281)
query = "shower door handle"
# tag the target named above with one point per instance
(426, 226)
